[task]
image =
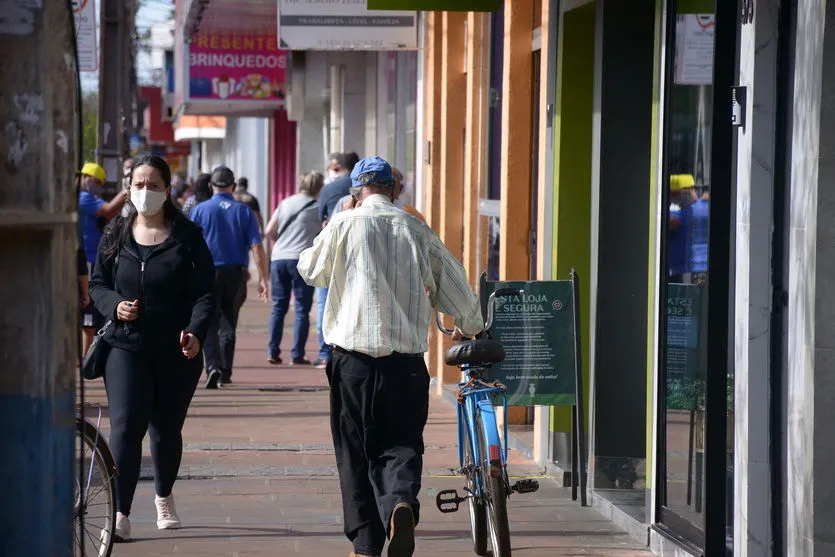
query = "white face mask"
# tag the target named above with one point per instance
(332, 175)
(147, 202)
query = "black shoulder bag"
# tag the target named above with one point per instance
(292, 218)
(92, 367)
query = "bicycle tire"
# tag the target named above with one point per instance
(101, 457)
(478, 512)
(495, 497)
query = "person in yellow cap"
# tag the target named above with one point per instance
(682, 194)
(90, 207)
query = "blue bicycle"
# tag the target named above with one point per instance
(482, 455)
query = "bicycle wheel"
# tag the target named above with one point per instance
(478, 513)
(95, 493)
(495, 492)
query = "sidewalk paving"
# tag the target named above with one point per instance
(258, 475)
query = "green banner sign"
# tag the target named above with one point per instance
(537, 331)
(436, 5)
(684, 346)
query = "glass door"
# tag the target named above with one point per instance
(693, 459)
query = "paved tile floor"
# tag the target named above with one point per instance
(258, 477)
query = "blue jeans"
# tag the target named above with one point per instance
(321, 299)
(287, 281)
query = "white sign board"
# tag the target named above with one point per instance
(343, 25)
(84, 16)
(694, 49)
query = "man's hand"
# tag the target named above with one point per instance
(192, 347)
(263, 290)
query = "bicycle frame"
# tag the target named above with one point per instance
(480, 398)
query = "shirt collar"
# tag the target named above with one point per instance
(225, 195)
(377, 198)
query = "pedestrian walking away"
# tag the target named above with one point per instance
(231, 232)
(339, 172)
(154, 278)
(91, 207)
(292, 228)
(386, 271)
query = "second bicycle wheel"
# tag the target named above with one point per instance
(95, 493)
(478, 512)
(495, 495)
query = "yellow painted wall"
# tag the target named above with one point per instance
(572, 170)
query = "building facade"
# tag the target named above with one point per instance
(671, 153)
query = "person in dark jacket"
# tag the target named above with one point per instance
(154, 279)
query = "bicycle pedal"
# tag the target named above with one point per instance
(525, 486)
(448, 501)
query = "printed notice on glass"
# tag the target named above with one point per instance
(683, 308)
(537, 331)
(694, 49)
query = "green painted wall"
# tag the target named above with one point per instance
(572, 171)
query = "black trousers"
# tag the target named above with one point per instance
(230, 293)
(379, 408)
(148, 394)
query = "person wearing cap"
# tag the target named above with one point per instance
(232, 232)
(387, 273)
(90, 208)
(682, 194)
(348, 202)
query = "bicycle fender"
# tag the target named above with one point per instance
(491, 434)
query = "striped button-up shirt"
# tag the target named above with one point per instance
(386, 271)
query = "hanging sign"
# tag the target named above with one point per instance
(84, 17)
(694, 49)
(344, 25)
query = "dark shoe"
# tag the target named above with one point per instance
(402, 531)
(274, 361)
(300, 362)
(213, 379)
(320, 363)
(225, 379)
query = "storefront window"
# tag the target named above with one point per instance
(687, 277)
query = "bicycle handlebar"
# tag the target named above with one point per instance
(491, 302)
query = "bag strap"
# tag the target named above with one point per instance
(292, 218)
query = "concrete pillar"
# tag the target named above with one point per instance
(39, 337)
(517, 88)
(475, 136)
(337, 133)
(453, 112)
(433, 34)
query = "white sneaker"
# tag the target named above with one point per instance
(122, 531)
(167, 518)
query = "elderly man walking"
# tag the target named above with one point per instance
(386, 272)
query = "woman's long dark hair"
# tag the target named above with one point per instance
(118, 232)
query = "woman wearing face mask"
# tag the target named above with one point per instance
(154, 279)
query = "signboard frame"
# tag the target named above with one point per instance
(86, 43)
(578, 435)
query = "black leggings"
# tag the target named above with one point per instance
(148, 393)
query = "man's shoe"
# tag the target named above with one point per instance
(121, 533)
(212, 379)
(320, 363)
(225, 379)
(402, 531)
(274, 361)
(167, 518)
(352, 554)
(300, 362)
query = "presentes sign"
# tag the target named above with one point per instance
(344, 25)
(236, 67)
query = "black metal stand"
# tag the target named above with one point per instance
(578, 459)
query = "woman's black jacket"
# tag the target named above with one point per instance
(174, 286)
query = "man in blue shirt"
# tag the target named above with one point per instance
(91, 207)
(231, 231)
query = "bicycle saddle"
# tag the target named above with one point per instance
(474, 352)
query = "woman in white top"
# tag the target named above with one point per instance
(292, 228)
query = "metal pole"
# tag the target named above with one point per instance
(112, 61)
(579, 411)
(38, 333)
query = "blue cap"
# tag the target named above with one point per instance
(370, 171)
